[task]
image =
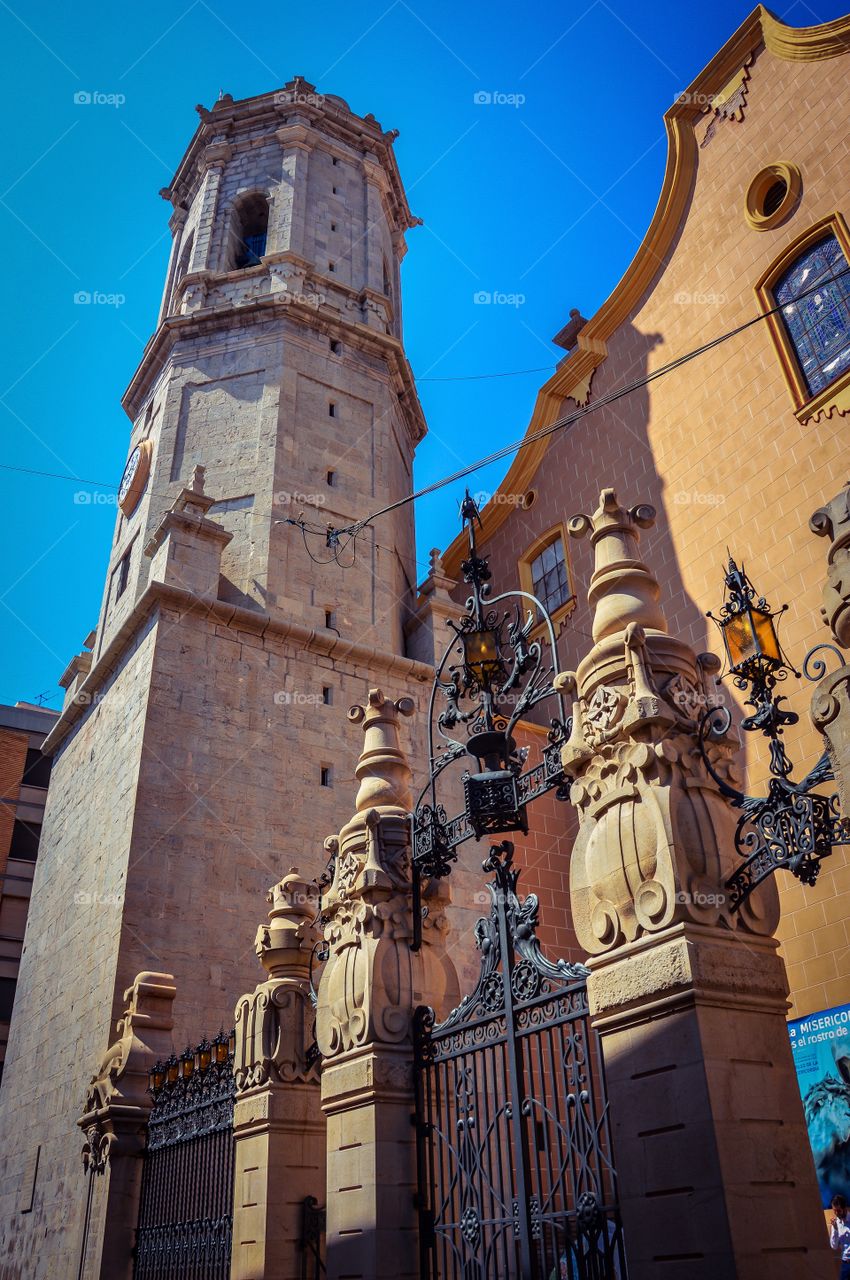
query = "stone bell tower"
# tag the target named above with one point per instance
(204, 726)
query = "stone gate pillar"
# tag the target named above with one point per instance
(278, 1124)
(114, 1124)
(715, 1173)
(370, 987)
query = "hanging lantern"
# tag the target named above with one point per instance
(203, 1056)
(481, 655)
(156, 1078)
(492, 794)
(747, 626)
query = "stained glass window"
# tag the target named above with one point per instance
(815, 297)
(549, 577)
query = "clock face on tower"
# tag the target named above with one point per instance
(135, 477)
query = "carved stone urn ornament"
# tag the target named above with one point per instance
(656, 836)
(373, 979)
(274, 1023)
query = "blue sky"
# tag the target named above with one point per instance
(542, 194)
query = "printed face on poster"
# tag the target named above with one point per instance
(821, 1047)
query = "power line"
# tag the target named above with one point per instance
(333, 535)
(481, 377)
(611, 398)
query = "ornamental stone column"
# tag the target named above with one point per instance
(714, 1169)
(114, 1124)
(371, 985)
(278, 1125)
(830, 707)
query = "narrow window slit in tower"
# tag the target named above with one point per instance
(325, 775)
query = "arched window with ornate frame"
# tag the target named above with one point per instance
(544, 571)
(810, 282)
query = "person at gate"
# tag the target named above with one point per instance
(839, 1234)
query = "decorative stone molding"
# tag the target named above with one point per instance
(656, 837)
(185, 548)
(427, 629)
(830, 706)
(118, 1103)
(730, 102)
(274, 1024)
(832, 521)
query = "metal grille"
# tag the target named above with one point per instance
(313, 1224)
(516, 1177)
(186, 1207)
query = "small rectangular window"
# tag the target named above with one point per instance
(333, 226)
(334, 190)
(336, 347)
(7, 998)
(123, 574)
(335, 160)
(331, 267)
(36, 769)
(332, 409)
(331, 479)
(330, 619)
(25, 840)
(327, 695)
(325, 775)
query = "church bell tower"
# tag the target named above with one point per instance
(204, 729)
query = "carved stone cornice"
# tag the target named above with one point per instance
(215, 156)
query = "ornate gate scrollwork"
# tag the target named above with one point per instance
(516, 1177)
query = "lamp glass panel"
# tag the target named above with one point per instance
(766, 635)
(482, 655)
(740, 637)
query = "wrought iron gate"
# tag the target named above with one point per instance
(186, 1206)
(516, 1177)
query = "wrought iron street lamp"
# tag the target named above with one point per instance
(792, 827)
(491, 674)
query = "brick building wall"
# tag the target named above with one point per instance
(716, 445)
(24, 776)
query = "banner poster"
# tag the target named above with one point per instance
(820, 1044)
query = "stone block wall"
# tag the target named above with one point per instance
(68, 973)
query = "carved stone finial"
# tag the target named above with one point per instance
(280, 944)
(833, 521)
(622, 588)
(273, 1022)
(656, 836)
(382, 770)
(373, 980)
(198, 475)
